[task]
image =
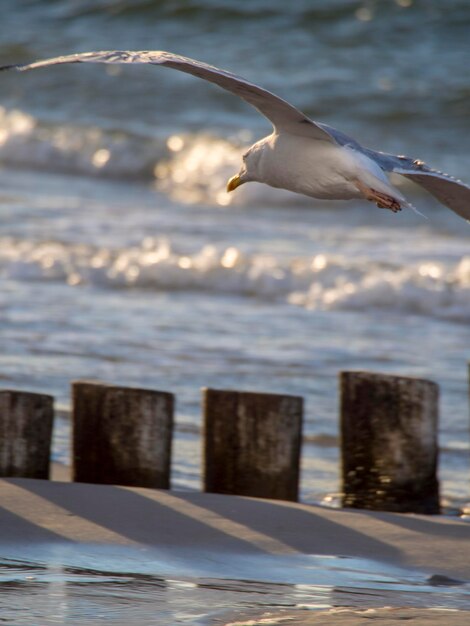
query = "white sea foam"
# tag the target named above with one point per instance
(27, 142)
(189, 168)
(326, 282)
(198, 167)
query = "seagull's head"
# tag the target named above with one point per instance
(250, 168)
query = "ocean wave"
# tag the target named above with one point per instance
(26, 141)
(190, 168)
(325, 282)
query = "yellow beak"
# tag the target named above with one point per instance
(234, 182)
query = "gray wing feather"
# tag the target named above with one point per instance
(341, 138)
(280, 113)
(448, 190)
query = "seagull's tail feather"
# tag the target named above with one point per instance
(404, 202)
(408, 205)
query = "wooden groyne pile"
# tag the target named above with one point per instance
(251, 441)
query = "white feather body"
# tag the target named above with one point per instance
(315, 168)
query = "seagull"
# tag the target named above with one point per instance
(300, 155)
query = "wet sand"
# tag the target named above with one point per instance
(386, 616)
(434, 544)
(229, 537)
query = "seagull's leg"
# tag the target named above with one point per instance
(383, 200)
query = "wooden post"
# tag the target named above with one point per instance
(121, 435)
(252, 443)
(389, 442)
(26, 421)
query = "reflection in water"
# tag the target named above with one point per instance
(125, 591)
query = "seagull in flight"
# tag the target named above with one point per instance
(300, 155)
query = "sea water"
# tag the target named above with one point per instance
(89, 584)
(122, 257)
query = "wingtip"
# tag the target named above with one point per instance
(19, 67)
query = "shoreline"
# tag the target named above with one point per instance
(368, 565)
(430, 544)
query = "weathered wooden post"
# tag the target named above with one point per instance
(121, 435)
(26, 421)
(252, 443)
(389, 442)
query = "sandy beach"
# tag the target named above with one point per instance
(386, 616)
(208, 537)
(87, 513)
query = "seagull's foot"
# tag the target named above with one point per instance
(382, 200)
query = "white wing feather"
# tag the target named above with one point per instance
(280, 113)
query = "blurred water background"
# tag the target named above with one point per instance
(123, 258)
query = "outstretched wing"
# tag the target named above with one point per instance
(280, 113)
(449, 190)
